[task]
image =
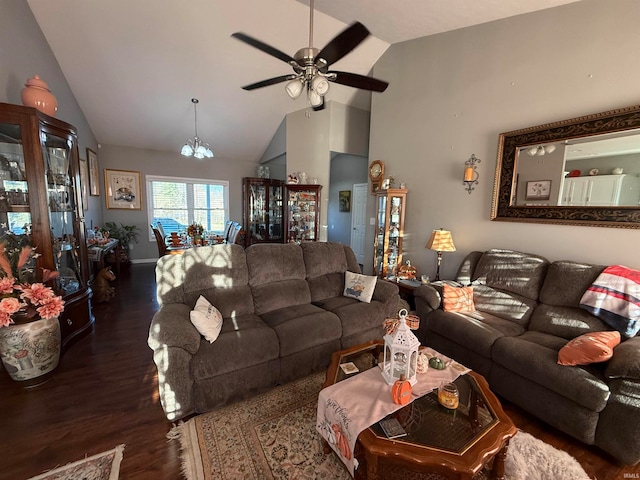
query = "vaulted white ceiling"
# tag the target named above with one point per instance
(134, 65)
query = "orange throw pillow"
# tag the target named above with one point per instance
(457, 299)
(589, 348)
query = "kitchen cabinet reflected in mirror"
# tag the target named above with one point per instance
(601, 170)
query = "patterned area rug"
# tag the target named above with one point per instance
(273, 436)
(103, 466)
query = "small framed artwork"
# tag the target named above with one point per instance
(538, 190)
(84, 184)
(344, 200)
(94, 181)
(123, 189)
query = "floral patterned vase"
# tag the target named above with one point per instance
(30, 351)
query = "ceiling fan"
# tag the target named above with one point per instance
(311, 66)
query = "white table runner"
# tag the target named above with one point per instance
(348, 407)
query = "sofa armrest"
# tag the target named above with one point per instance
(429, 295)
(387, 293)
(172, 327)
(625, 362)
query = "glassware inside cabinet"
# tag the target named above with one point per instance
(62, 211)
(275, 212)
(303, 204)
(15, 216)
(258, 211)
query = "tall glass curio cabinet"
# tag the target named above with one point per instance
(389, 231)
(40, 203)
(302, 212)
(263, 209)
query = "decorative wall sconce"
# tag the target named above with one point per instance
(471, 174)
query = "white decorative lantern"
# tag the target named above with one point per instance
(400, 353)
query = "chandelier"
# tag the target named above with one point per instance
(196, 147)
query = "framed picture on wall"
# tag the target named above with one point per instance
(123, 189)
(344, 200)
(84, 184)
(538, 190)
(94, 180)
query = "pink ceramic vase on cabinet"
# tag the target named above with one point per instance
(36, 94)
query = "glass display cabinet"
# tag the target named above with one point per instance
(40, 202)
(303, 212)
(262, 206)
(389, 231)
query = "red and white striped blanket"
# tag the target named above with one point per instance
(614, 297)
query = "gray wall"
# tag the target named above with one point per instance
(345, 171)
(452, 94)
(24, 52)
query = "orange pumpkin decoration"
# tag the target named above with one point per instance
(401, 391)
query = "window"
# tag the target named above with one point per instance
(178, 202)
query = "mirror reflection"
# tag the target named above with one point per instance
(600, 170)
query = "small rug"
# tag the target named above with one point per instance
(103, 466)
(273, 436)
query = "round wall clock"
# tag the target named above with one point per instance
(376, 171)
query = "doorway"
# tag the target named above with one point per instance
(358, 217)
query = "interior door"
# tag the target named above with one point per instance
(358, 216)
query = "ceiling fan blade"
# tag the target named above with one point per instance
(274, 52)
(270, 81)
(343, 43)
(359, 81)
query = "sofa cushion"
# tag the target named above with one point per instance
(503, 304)
(244, 342)
(510, 271)
(565, 322)
(475, 331)
(589, 348)
(533, 355)
(207, 319)
(274, 262)
(457, 299)
(357, 316)
(301, 327)
(359, 286)
(325, 286)
(322, 258)
(220, 274)
(276, 276)
(566, 282)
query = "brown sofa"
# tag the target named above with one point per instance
(527, 309)
(284, 315)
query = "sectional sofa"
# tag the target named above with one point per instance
(284, 314)
(527, 309)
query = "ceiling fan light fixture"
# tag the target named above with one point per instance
(294, 88)
(314, 98)
(550, 148)
(320, 84)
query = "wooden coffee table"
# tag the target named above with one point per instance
(453, 444)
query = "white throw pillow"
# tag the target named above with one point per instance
(358, 286)
(207, 319)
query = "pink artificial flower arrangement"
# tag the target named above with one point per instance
(17, 295)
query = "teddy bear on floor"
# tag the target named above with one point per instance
(102, 290)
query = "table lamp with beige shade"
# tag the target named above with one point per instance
(440, 241)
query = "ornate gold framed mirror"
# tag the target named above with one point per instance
(589, 168)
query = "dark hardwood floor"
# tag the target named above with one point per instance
(104, 393)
